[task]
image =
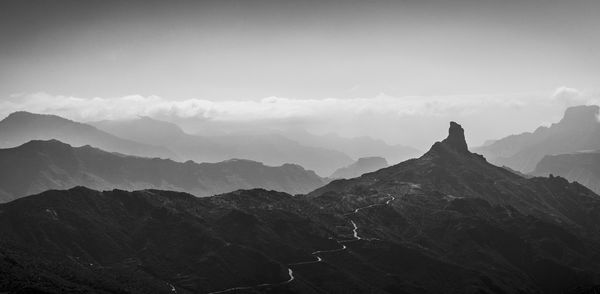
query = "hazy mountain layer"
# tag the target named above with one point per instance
(41, 165)
(271, 149)
(357, 147)
(361, 166)
(579, 130)
(21, 127)
(581, 167)
(447, 222)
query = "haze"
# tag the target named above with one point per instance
(386, 69)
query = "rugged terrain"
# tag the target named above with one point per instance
(447, 222)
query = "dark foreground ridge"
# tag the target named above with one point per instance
(447, 222)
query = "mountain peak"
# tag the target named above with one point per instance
(580, 115)
(455, 143)
(27, 114)
(25, 117)
(19, 113)
(456, 138)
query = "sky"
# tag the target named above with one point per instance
(395, 70)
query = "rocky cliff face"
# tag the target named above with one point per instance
(456, 138)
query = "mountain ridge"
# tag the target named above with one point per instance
(272, 149)
(39, 165)
(21, 127)
(578, 130)
(451, 169)
(582, 167)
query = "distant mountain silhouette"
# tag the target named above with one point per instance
(578, 130)
(357, 147)
(583, 167)
(446, 222)
(361, 166)
(21, 127)
(41, 165)
(271, 149)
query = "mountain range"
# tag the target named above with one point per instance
(578, 130)
(446, 222)
(38, 166)
(21, 127)
(148, 137)
(271, 149)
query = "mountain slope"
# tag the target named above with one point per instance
(449, 168)
(41, 165)
(582, 167)
(578, 130)
(271, 149)
(21, 127)
(361, 166)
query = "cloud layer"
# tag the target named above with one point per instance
(381, 116)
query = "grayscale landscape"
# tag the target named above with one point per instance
(306, 147)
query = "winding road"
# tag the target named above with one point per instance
(355, 237)
(173, 289)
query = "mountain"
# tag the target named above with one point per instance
(446, 222)
(450, 168)
(271, 149)
(457, 206)
(41, 165)
(583, 167)
(21, 127)
(361, 166)
(356, 147)
(578, 130)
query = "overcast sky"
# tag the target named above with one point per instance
(352, 67)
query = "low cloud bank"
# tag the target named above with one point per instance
(396, 119)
